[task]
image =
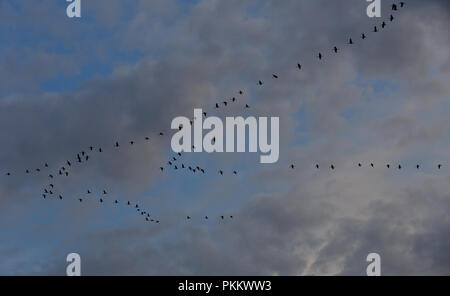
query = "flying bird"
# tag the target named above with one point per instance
(394, 7)
(247, 106)
(240, 92)
(292, 166)
(332, 167)
(221, 172)
(402, 4)
(375, 29)
(161, 134)
(350, 41)
(317, 166)
(439, 166)
(391, 17)
(383, 25)
(260, 82)
(275, 76)
(335, 49)
(363, 36)
(299, 66)
(319, 56)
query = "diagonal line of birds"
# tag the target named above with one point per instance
(175, 161)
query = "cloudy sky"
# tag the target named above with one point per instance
(126, 68)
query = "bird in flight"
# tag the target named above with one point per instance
(392, 18)
(439, 166)
(299, 66)
(375, 29)
(383, 25)
(260, 82)
(221, 172)
(394, 7)
(363, 36)
(332, 167)
(335, 49)
(320, 56)
(275, 76)
(292, 166)
(350, 41)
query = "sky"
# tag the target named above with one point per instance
(125, 69)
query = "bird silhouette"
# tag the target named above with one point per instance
(104, 192)
(399, 167)
(388, 166)
(417, 166)
(161, 168)
(319, 56)
(234, 172)
(240, 92)
(260, 82)
(247, 106)
(383, 25)
(188, 217)
(88, 192)
(50, 176)
(147, 138)
(439, 166)
(46, 165)
(394, 7)
(363, 36)
(131, 142)
(117, 144)
(292, 166)
(359, 164)
(402, 4)
(233, 99)
(375, 29)
(60, 197)
(335, 49)
(317, 166)
(350, 41)
(100, 150)
(332, 167)
(80, 199)
(68, 163)
(275, 76)
(299, 66)
(217, 105)
(371, 164)
(91, 148)
(391, 18)
(161, 134)
(221, 172)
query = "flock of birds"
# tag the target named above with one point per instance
(174, 162)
